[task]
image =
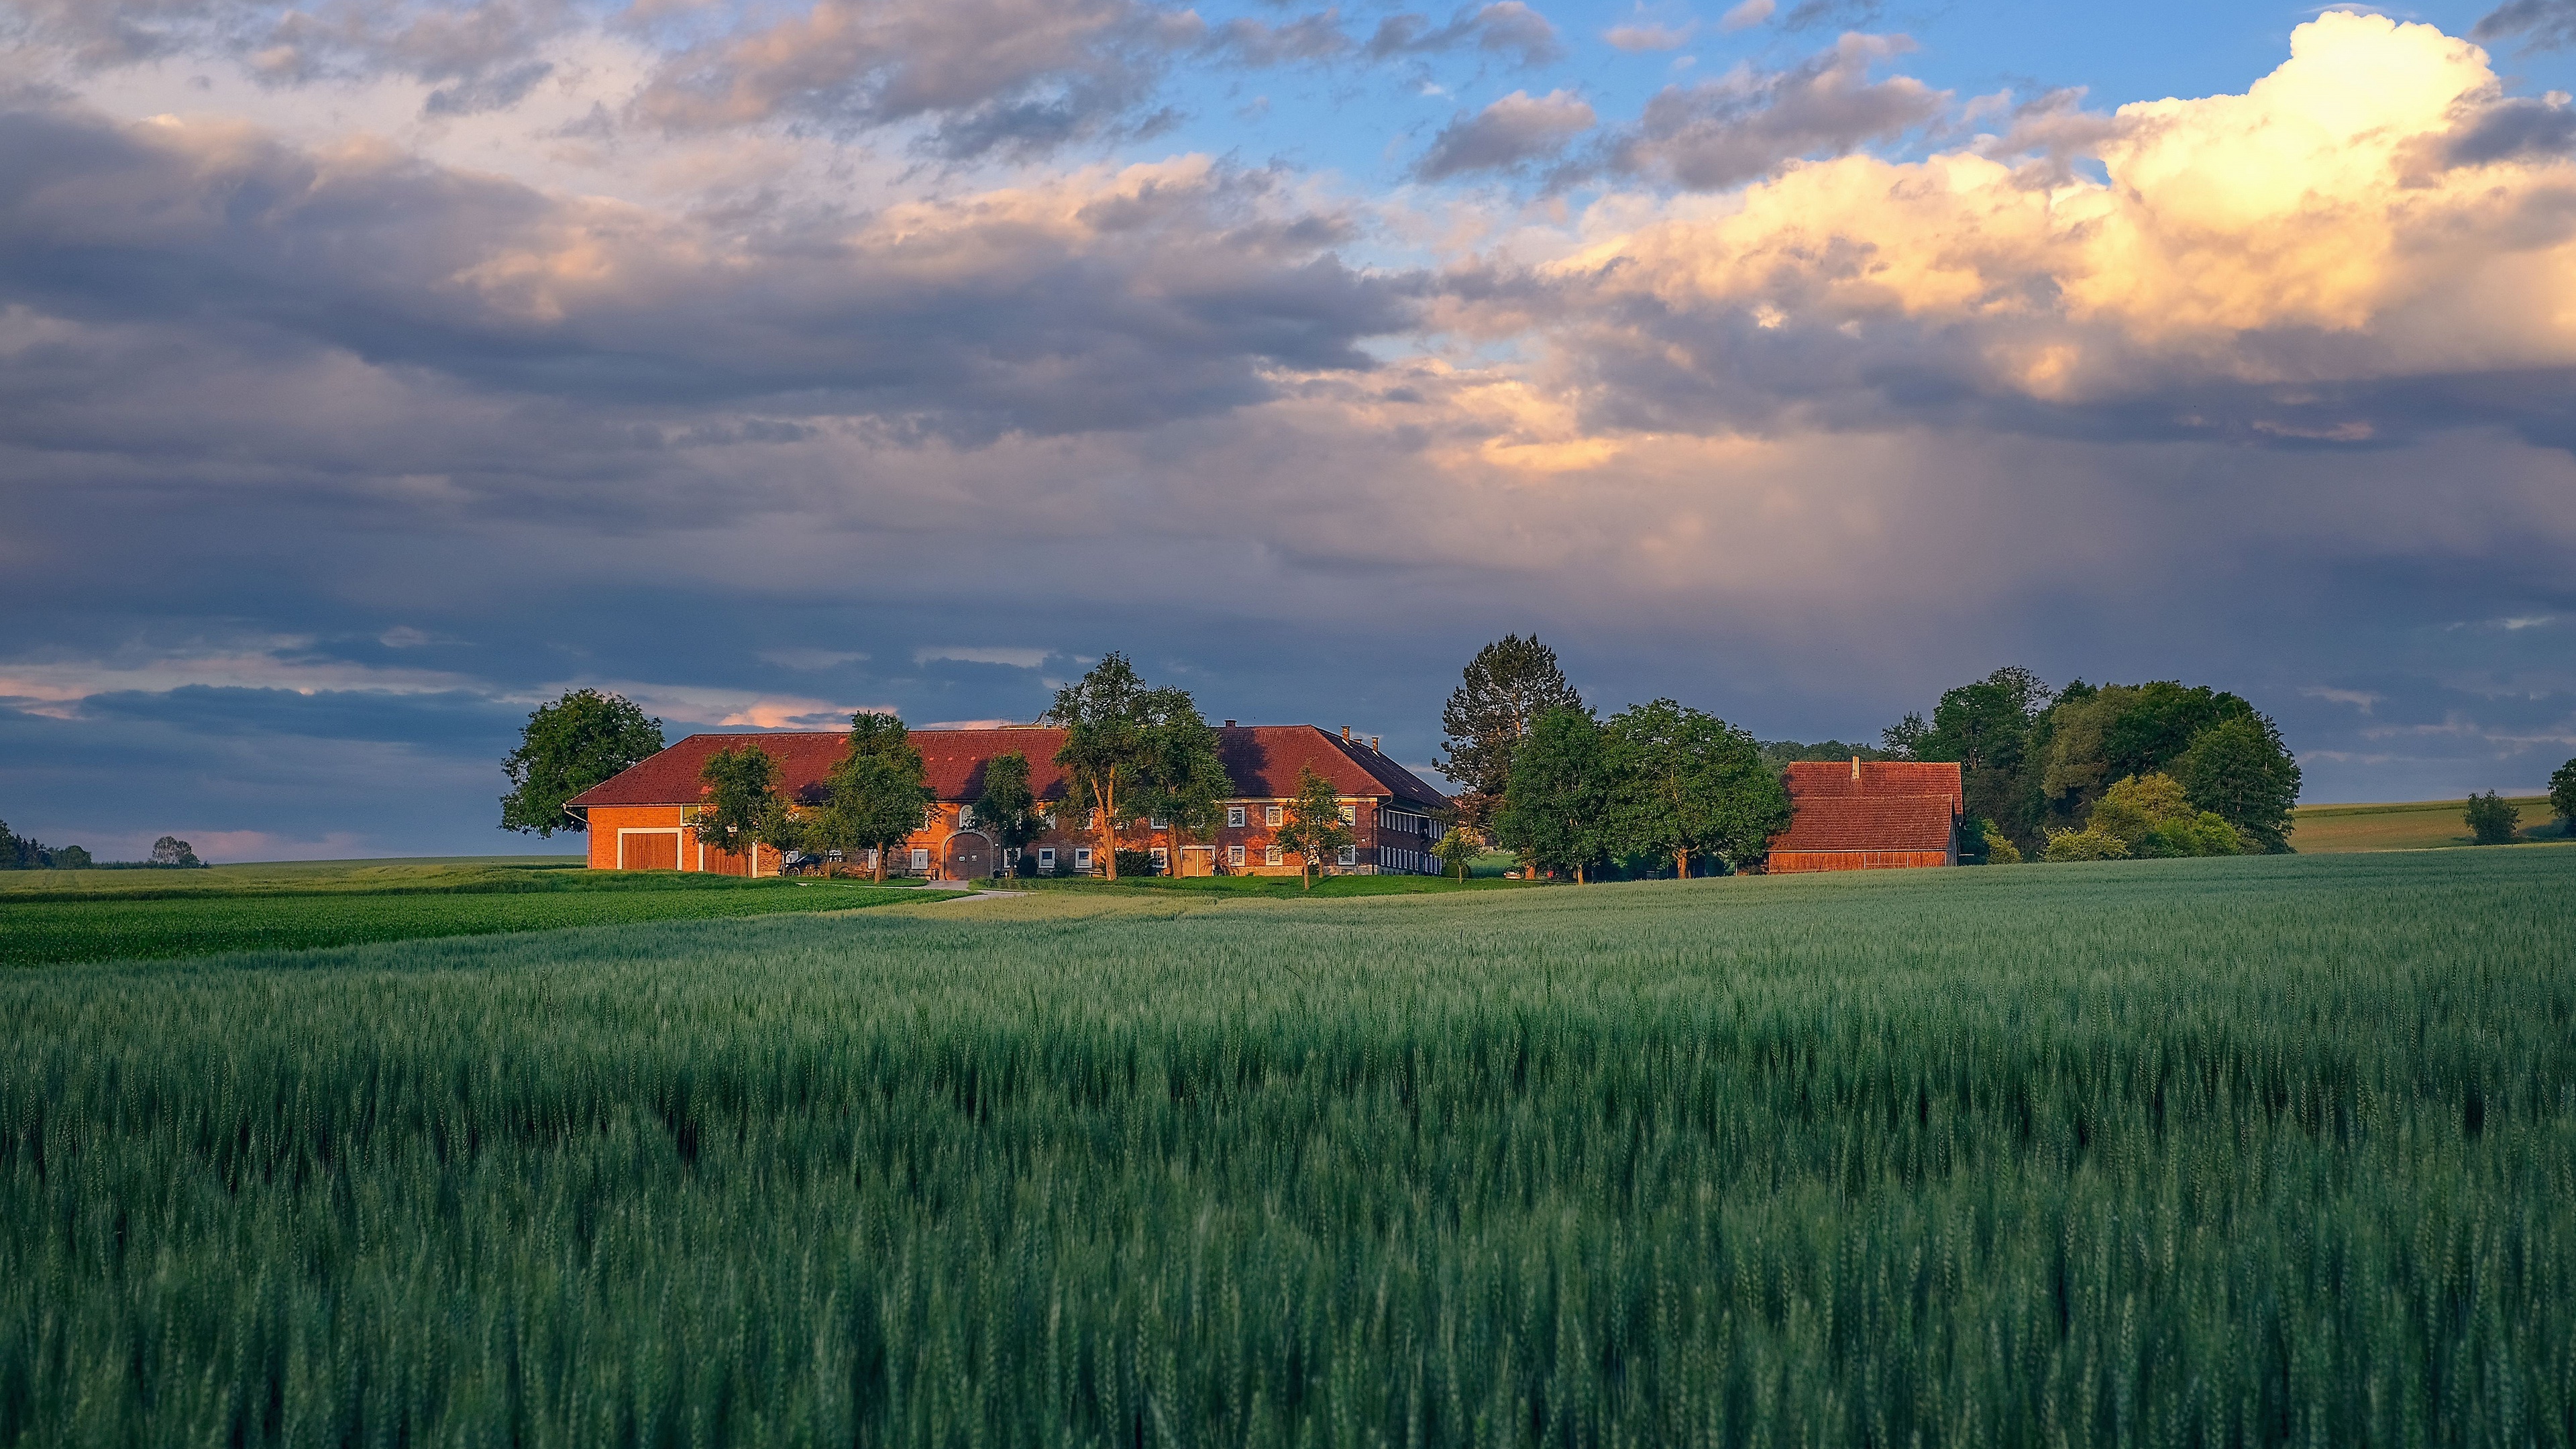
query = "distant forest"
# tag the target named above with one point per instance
(19, 852)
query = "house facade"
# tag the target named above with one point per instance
(643, 819)
(1870, 815)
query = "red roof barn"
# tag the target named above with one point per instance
(1870, 815)
(640, 820)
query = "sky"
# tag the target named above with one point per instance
(371, 373)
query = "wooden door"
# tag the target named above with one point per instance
(648, 850)
(970, 856)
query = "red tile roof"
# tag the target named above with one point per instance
(1262, 759)
(1892, 806)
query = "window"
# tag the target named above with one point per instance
(1234, 853)
(1157, 822)
(1046, 857)
(1350, 855)
(1270, 855)
(965, 817)
(1271, 815)
(1234, 818)
(689, 814)
(930, 817)
(1350, 815)
(872, 860)
(1162, 860)
(1082, 858)
(921, 860)
(1091, 820)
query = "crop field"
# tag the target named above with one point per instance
(2414, 825)
(2272, 1150)
(65, 916)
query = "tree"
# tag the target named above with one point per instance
(741, 806)
(1688, 783)
(2492, 820)
(2562, 794)
(1008, 809)
(1508, 685)
(2238, 769)
(1315, 828)
(2085, 844)
(1118, 736)
(1184, 779)
(1556, 810)
(2152, 817)
(1985, 727)
(171, 850)
(874, 797)
(1457, 848)
(570, 745)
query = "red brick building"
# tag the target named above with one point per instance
(641, 819)
(1873, 815)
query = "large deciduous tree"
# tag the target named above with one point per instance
(1184, 781)
(1686, 784)
(1556, 807)
(1008, 808)
(2239, 770)
(1129, 750)
(876, 793)
(570, 745)
(1314, 825)
(1508, 685)
(1985, 727)
(2562, 794)
(740, 806)
(2491, 819)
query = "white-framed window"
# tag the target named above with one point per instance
(965, 817)
(1046, 857)
(1270, 855)
(930, 817)
(1082, 858)
(1234, 816)
(920, 859)
(1162, 859)
(1272, 815)
(1350, 855)
(1157, 822)
(1091, 819)
(1350, 815)
(689, 814)
(1234, 855)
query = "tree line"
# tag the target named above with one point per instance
(19, 852)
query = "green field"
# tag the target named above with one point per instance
(2413, 825)
(65, 916)
(2272, 1150)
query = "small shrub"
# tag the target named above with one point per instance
(1138, 863)
(1999, 847)
(2492, 820)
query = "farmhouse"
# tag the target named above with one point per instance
(641, 819)
(1878, 815)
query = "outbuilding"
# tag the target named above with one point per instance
(1871, 815)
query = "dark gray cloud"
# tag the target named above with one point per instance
(2513, 130)
(2538, 24)
(1140, 298)
(1506, 28)
(1516, 129)
(1317, 36)
(1748, 123)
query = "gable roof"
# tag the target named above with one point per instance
(1263, 761)
(1899, 805)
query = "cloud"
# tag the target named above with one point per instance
(1747, 14)
(2360, 699)
(1749, 123)
(1013, 658)
(809, 659)
(1515, 129)
(1848, 14)
(1641, 37)
(1009, 76)
(1316, 36)
(1505, 27)
(2542, 24)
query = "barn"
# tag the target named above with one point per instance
(1870, 815)
(642, 818)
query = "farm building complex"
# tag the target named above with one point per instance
(1873, 815)
(641, 819)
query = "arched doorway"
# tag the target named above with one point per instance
(969, 857)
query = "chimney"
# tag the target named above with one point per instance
(1855, 767)
(1372, 744)
(1229, 724)
(1346, 734)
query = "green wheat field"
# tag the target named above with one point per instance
(2272, 1150)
